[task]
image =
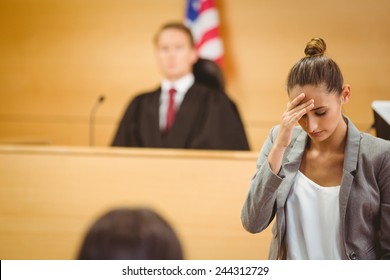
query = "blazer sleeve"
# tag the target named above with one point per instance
(384, 186)
(260, 205)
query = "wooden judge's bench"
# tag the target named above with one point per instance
(49, 196)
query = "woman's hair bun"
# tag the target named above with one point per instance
(316, 46)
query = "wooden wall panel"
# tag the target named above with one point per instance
(57, 57)
(49, 196)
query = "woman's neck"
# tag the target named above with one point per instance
(335, 143)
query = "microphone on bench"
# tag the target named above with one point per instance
(92, 120)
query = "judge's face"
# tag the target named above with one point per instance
(175, 54)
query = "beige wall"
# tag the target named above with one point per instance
(57, 57)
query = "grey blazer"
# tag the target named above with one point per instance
(364, 198)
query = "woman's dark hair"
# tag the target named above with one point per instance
(131, 234)
(315, 69)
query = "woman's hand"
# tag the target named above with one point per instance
(294, 112)
(290, 118)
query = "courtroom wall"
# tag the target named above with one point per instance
(57, 57)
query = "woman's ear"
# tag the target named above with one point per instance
(345, 94)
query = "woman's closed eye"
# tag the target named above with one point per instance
(320, 112)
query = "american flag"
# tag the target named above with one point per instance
(203, 20)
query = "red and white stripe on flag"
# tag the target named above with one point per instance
(203, 20)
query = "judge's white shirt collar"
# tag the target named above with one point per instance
(181, 85)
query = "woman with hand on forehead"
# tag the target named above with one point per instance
(327, 184)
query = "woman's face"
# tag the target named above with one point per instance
(326, 116)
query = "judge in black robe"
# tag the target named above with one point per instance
(206, 119)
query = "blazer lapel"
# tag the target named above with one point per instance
(351, 154)
(289, 170)
(290, 167)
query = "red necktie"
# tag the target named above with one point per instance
(171, 109)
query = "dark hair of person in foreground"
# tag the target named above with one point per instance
(131, 234)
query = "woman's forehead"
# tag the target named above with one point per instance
(319, 93)
(309, 90)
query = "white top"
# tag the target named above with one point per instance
(312, 221)
(181, 85)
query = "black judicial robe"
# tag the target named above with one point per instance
(206, 119)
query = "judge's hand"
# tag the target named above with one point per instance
(294, 112)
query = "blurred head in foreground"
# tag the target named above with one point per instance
(131, 234)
